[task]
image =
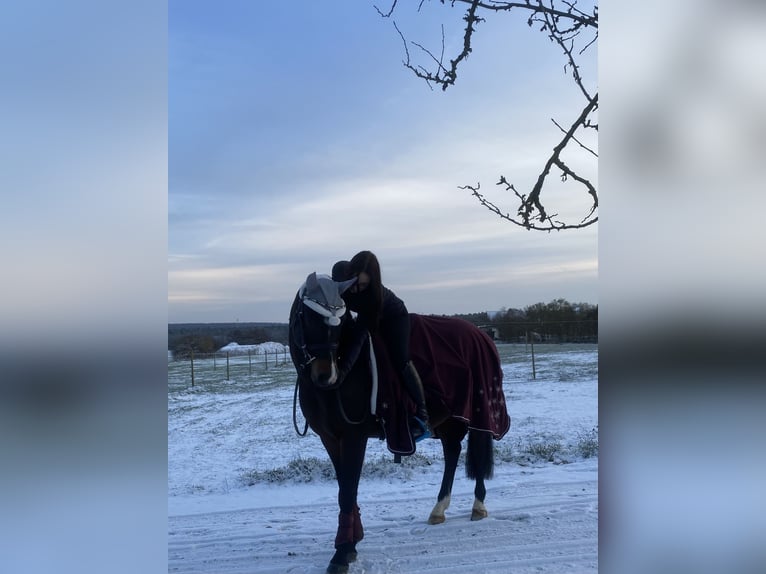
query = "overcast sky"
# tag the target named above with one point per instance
(297, 138)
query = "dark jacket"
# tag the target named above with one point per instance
(393, 326)
(392, 308)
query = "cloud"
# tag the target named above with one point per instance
(286, 166)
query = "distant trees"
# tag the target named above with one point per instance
(197, 343)
(557, 321)
(205, 338)
(248, 336)
(475, 318)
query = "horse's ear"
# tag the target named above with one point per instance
(344, 285)
(311, 281)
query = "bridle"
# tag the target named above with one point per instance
(307, 352)
(332, 318)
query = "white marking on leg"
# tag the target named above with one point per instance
(437, 514)
(478, 511)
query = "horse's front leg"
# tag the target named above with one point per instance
(350, 529)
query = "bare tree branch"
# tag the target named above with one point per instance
(566, 25)
(582, 145)
(387, 14)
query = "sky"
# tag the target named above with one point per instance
(296, 137)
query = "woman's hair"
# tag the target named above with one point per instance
(367, 262)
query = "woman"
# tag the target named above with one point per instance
(380, 311)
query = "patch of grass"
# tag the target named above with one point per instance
(587, 443)
(303, 470)
(530, 449)
(546, 449)
(297, 470)
(385, 467)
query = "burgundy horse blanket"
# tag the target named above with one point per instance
(460, 369)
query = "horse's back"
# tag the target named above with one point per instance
(453, 341)
(460, 367)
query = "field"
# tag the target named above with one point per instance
(246, 494)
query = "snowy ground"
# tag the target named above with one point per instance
(247, 495)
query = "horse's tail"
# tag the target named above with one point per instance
(480, 457)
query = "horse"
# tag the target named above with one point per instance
(343, 414)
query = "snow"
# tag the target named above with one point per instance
(247, 495)
(235, 348)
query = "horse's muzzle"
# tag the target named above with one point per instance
(324, 374)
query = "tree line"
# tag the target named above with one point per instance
(558, 321)
(183, 338)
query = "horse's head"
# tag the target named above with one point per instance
(315, 328)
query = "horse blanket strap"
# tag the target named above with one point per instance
(444, 350)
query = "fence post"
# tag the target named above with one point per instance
(214, 363)
(249, 363)
(192, 366)
(532, 345)
(227, 365)
(266, 358)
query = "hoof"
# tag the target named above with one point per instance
(437, 513)
(337, 568)
(343, 555)
(478, 514)
(434, 519)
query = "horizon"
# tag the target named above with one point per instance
(490, 314)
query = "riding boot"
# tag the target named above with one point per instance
(414, 387)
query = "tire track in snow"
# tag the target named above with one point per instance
(534, 526)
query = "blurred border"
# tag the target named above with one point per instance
(84, 235)
(682, 290)
(83, 231)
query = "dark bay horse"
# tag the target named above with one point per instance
(342, 413)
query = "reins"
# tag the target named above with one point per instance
(343, 411)
(295, 411)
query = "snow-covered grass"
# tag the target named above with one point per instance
(246, 494)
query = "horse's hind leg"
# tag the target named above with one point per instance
(479, 511)
(480, 463)
(451, 435)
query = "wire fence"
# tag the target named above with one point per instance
(230, 363)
